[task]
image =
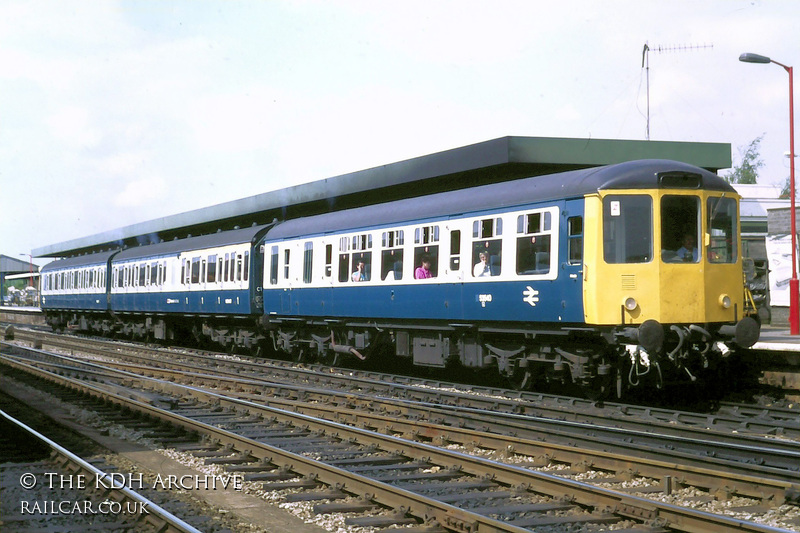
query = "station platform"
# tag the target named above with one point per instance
(777, 338)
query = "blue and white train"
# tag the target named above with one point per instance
(573, 276)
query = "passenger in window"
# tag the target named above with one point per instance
(688, 252)
(424, 271)
(481, 268)
(359, 274)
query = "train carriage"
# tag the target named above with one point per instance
(75, 287)
(159, 289)
(610, 277)
(573, 275)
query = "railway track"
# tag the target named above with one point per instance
(764, 458)
(55, 488)
(412, 465)
(731, 418)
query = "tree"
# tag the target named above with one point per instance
(746, 172)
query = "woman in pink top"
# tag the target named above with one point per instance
(424, 271)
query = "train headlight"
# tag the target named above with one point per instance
(631, 304)
(725, 301)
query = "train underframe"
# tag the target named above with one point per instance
(598, 361)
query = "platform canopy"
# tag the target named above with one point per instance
(502, 159)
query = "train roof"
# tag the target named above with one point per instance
(644, 174)
(223, 238)
(497, 160)
(95, 259)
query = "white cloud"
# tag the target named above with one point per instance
(129, 111)
(141, 192)
(71, 126)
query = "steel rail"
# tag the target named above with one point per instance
(782, 421)
(469, 425)
(157, 517)
(422, 507)
(644, 444)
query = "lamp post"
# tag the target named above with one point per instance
(30, 269)
(794, 284)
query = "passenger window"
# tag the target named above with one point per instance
(534, 243)
(680, 229)
(392, 255)
(429, 254)
(392, 261)
(349, 263)
(487, 251)
(286, 253)
(628, 228)
(362, 266)
(211, 272)
(426, 235)
(195, 270)
(246, 265)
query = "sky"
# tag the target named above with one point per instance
(119, 112)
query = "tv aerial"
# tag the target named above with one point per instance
(660, 49)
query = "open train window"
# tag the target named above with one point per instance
(428, 254)
(392, 264)
(361, 269)
(426, 235)
(487, 228)
(628, 228)
(680, 228)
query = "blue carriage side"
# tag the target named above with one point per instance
(439, 274)
(209, 274)
(76, 284)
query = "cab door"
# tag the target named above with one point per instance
(571, 261)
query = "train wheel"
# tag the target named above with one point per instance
(520, 378)
(329, 357)
(602, 385)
